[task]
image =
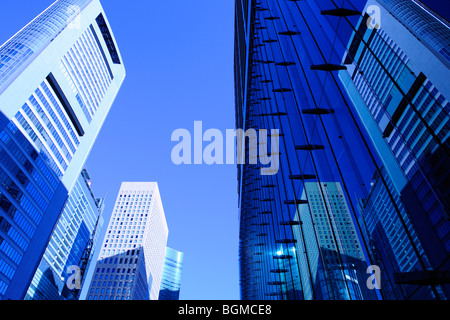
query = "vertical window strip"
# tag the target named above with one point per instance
(82, 86)
(52, 115)
(42, 134)
(45, 121)
(99, 74)
(69, 77)
(61, 113)
(88, 73)
(98, 57)
(28, 130)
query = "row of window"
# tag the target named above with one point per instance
(68, 126)
(135, 194)
(110, 297)
(110, 284)
(88, 77)
(62, 130)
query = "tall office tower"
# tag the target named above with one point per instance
(398, 63)
(332, 242)
(171, 277)
(131, 260)
(288, 69)
(59, 76)
(70, 247)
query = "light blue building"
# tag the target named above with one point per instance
(331, 242)
(171, 277)
(59, 76)
(397, 71)
(72, 244)
(131, 258)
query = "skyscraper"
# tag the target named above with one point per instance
(79, 223)
(131, 260)
(171, 277)
(397, 66)
(332, 241)
(288, 76)
(59, 76)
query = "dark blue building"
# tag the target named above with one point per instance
(291, 59)
(71, 246)
(396, 71)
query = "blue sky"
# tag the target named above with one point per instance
(179, 61)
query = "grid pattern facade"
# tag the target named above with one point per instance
(332, 241)
(87, 72)
(391, 241)
(412, 117)
(132, 254)
(27, 184)
(68, 242)
(43, 120)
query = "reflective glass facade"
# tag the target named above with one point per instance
(70, 240)
(403, 104)
(130, 263)
(19, 51)
(171, 277)
(46, 137)
(289, 60)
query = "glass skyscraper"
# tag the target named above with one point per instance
(59, 76)
(396, 77)
(334, 232)
(74, 239)
(131, 258)
(294, 63)
(171, 277)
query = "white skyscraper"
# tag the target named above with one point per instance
(59, 77)
(131, 258)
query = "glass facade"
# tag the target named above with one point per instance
(171, 277)
(76, 227)
(424, 24)
(19, 51)
(323, 238)
(289, 60)
(87, 72)
(403, 104)
(27, 185)
(45, 139)
(130, 263)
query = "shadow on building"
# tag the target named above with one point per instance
(121, 277)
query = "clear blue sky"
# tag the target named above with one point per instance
(179, 61)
